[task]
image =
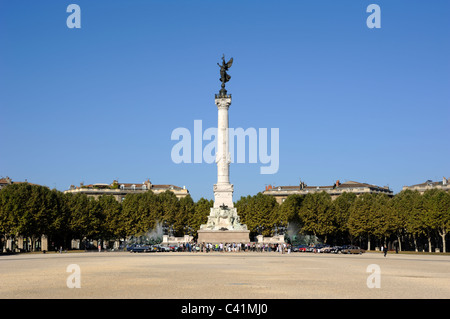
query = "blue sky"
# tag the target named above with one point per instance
(100, 103)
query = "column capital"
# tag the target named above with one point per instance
(223, 101)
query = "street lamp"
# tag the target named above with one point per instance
(259, 229)
(165, 228)
(279, 229)
(188, 230)
(282, 229)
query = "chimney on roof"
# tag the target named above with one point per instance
(338, 183)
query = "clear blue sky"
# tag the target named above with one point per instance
(100, 103)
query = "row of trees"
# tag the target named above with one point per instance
(31, 210)
(409, 218)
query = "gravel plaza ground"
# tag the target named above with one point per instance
(244, 275)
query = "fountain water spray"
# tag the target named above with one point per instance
(151, 237)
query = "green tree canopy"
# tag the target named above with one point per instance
(316, 215)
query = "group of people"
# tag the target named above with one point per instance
(235, 247)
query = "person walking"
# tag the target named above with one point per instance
(385, 250)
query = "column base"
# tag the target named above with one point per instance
(223, 236)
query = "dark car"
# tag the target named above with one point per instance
(130, 247)
(336, 249)
(141, 248)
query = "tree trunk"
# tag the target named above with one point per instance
(399, 243)
(429, 244)
(368, 242)
(415, 243)
(443, 233)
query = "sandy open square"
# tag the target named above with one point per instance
(225, 275)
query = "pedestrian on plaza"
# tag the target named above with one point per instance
(385, 250)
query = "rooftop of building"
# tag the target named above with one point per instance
(8, 181)
(443, 182)
(337, 185)
(119, 185)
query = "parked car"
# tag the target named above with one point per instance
(163, 248)
(299, 248)
(352, 250)
(336, 249)
(141, 248)
(320, 248)
(309, 249)
(175, 248)
(326, 249)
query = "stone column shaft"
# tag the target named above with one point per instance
(223, 155)
(223, 190)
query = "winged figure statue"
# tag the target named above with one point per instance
(224, 76)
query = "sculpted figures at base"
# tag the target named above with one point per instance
(223, 218)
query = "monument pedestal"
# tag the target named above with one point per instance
(223, 226)
(223, 236)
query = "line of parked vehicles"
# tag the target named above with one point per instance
(345, 249)
(144, 248)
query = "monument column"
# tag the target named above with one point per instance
(223, 190)
(223, 223)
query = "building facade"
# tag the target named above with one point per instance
(423, 187)
(282, 192)
(120, 190)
